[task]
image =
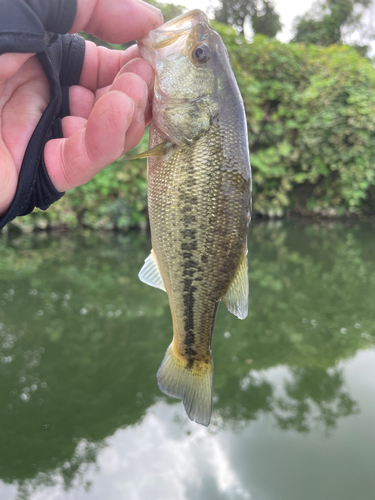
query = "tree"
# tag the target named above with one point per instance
(324, 24)
(259, 13)
(169, 10)
(266, 21)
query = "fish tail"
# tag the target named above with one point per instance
(191, 383)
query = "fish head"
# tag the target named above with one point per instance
(192, 72)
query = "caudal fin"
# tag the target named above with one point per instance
(191, 384)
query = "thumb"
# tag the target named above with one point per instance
(116, 21)
(74, 161)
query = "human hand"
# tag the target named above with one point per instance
(109, 108)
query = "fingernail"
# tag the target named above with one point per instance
(151, 7)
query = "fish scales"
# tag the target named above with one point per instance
(199, 186)
(189, 199)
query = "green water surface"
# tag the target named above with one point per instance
(81, 339)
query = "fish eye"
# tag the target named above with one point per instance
(201, 53)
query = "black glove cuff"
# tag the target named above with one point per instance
(30, 25)
(62, 63)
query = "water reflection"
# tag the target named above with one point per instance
(81, 340)
(166, 456)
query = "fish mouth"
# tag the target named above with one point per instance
(175, 30)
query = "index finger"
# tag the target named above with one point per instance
(101, 65)
(116, 21)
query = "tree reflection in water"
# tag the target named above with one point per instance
(81, 340)
(315, 396)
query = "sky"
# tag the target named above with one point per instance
(287, 9)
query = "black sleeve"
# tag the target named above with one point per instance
(35, 26)
(30, 25)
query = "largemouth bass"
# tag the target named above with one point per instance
(199, 191)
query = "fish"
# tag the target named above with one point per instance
(199, 199)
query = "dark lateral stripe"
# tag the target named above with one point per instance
(189, 245)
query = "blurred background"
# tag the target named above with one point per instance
(305, 71)
(81, 338)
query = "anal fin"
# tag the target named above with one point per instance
(237, 297)
(150, 273)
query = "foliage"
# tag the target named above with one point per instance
(311, 122)
(261, 15)
(266, 21)
(169, 10)
(311, 119)
(324, 25)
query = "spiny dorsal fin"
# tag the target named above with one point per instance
(150, 273)
(237, 297)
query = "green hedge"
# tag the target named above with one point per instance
(311, 120)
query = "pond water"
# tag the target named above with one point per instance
(81, 339)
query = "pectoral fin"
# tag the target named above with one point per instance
(237, 297)
(160, 150)
(150, 273)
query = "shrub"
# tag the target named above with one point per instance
(311, 120)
